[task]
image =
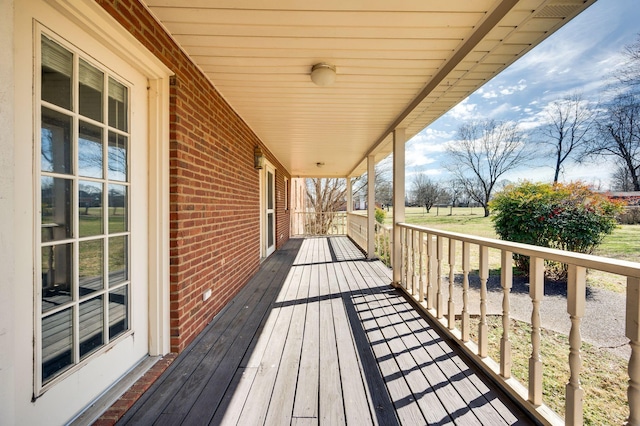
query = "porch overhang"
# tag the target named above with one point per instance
(399, 64)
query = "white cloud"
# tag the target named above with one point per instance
(490, 95)
(463, 111)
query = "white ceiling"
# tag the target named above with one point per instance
(400, 63)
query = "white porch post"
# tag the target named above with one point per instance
(398, 201)
(349, 195)
(371, 206)
(349, 205)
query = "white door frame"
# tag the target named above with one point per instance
(267, 210)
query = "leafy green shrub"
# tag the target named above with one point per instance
(563, 216)
(380, 215)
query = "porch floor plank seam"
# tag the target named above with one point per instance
(318, 336)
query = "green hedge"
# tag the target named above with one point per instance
(563, 216)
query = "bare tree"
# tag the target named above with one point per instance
(325, 197)
(382, 182)
(619, 135)
(483, 153)
(426, 192)
(629, 74)
(568, 128)
(621, 179)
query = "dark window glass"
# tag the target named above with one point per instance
(56, 209)
(118, 311)
(57, 68)
(55, 142)
(91, 325)
(91, 87)
(57, 343)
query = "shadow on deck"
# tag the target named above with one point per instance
(319, 337)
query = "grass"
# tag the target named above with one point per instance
(603, 377)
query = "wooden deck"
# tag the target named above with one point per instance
(319, 337)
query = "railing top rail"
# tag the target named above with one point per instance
(614, 266)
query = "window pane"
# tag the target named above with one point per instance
(56, 209)
(91, 266)
(89, 150)
(118, 99)
(90, 208)
(118, 208)
(117, 157)
(118, 265)
(118, 311)
(55, 141)
(269, 190)
(57, 276)
(270, 229)
(57, 67)
(91, 325)
(90, 91)
(57, 343)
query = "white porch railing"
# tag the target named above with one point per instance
(423, 260)
(357, 229)
(384, 244)
(318, 223)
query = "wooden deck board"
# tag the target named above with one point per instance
(319, 337)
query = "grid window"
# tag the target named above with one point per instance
(83, 290)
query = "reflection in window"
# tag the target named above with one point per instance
(55, 142)
(91, 265)
(56, 209)
(91, 325)
(117, 157)
(57, 343)
(118, 99)
(57, 273)
(118, 208)
(118, 266)
(91, 86)
(57, 66)
(89, 150)
(90, 211)
(118, 311)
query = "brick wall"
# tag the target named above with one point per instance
(215, 199)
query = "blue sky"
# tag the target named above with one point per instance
(577, 58)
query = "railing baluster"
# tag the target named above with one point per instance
(430, 270)
(421, 267)
(506, 280)
(632, 331)
(439, 301)
(536, 291)
(483, 328)
(389, 245)
(451, 306)
(465, 290)
(414, 284)
(576, 300)
(405, 257)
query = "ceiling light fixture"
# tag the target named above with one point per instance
(323, 74)
(319, 164)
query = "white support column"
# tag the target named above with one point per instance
(398, 202)
(349, 195)
(371, 206)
